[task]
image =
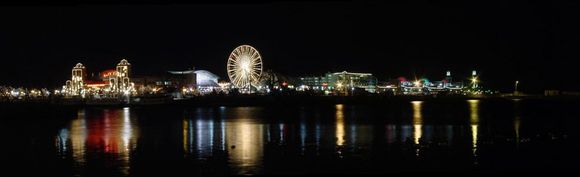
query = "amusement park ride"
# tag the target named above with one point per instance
(245, 68)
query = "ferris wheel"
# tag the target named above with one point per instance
(244, 66)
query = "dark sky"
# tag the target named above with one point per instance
(534, 42)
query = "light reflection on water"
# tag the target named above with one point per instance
(517, 123)
(474, 121)
(244, 136)
(340, 125)
(417, 121)
(417, 124)
(247, 142)
(239, 137)
(108, 133)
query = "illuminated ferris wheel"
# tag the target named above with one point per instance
(244, 66)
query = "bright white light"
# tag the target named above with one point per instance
(474, 80)
(244, 66)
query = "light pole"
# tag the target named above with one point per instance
(516, 87)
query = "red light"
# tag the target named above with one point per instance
(284, 83)
(402, 79)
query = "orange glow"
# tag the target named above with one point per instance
(417, 121)
(340, 125)
(108, 73)
(96, 85)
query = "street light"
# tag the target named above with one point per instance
(339, 87)
(516, 88)
(474, 82)
(417, 83)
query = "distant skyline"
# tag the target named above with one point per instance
(534, 42)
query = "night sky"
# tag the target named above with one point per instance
(534, 42)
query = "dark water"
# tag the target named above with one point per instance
(473, 136)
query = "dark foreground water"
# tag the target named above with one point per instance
(456, 137)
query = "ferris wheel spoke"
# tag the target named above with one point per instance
(238, 80)
(252, 53)
(235, 81)
(256, 55)
(257, 74)
(254, 75)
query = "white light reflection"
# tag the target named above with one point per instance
(474, 121)
(246, 141)
(281, 128)
(61, 142)
(127, 130)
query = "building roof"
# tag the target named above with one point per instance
(349, 73)
(206, 78)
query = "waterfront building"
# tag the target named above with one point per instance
(425, 87)
(75, 86)
(101, 82)
(179, 82)
(324, 83)
(446, 84)
(122, 82)
(349, 82)
(342, 82)
(206, 81)
(107, 83)
(391, 86)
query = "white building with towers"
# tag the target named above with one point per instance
(122, 82)
(109, 83)
(75, 86)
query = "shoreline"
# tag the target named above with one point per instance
(258, 100)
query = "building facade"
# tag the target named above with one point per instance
(108, 83)
(343, 82)
(121, 83)
(76, 85)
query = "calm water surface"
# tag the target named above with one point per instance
(418, 136)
